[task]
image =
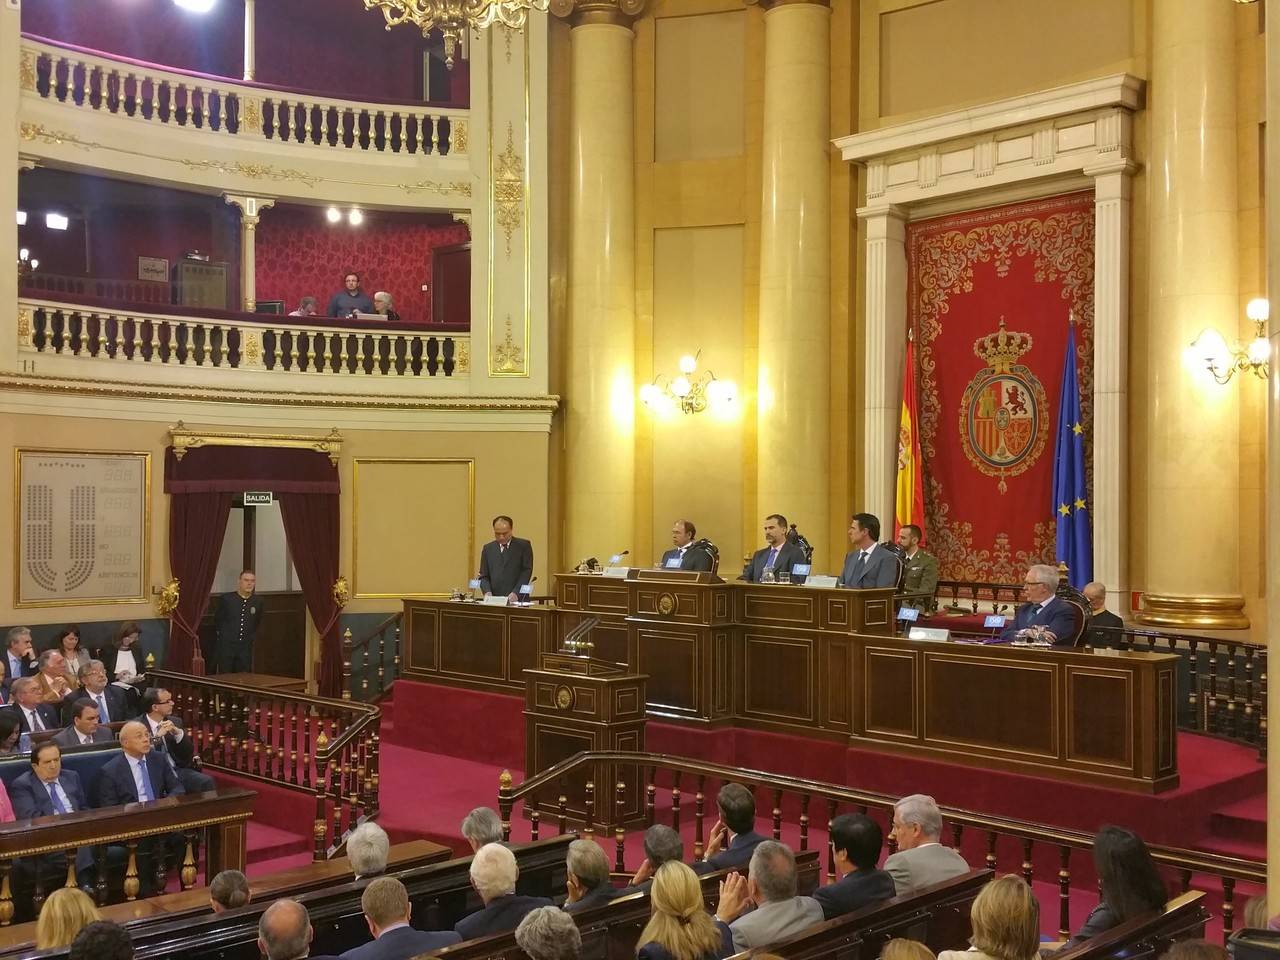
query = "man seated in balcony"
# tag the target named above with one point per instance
(171, 740)
(855, 844)
(138, 774)
(112, 705)
(84, 727)
(494, 872)
(306, 308)
(351, 299)
(771, 886)
(733, 838)
(33, 715)
(46, 790)
(382, 306)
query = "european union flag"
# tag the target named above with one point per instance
(1070, 497)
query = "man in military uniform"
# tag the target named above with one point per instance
(919, 569)
(236, 622)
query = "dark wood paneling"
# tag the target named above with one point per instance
(777, 678)
(1099, 709)
(471, 643)
(889, 692)
(526, 642)
(421, 639)
(669, 659)
(989, 704)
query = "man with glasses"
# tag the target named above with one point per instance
(1043, 615)
(172, 741)
(110, 700)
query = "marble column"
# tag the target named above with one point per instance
(1272, 533)
(250, 209)
(10, 53)
(1193, 459)
(794, 377)
(600, 390)
(250, 52)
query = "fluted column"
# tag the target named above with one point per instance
(1272, 538)
(250, 209)
(793, 452)
(1193, 459)
(600, 389)
(250, 52)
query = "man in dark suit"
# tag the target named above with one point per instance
(868, 564)
(47, 790)
(683, 533)
(733, 839)
(385, 903)
(170, 739)
(18, 659)
(284, 932)
(587, 876)
(1104, 626)
(493, 875)
(236, 622)
(855, 844)
(33, 716)
(661, 844)
(139, 774)
(1042, 610)
(548, 934)
(779, 553)
(84, 728)
(112, 706)
(506, 562)
(919, 569)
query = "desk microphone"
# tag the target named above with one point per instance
(613, 560)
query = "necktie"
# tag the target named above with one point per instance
(502, 548)
(773, 557)
(144, 790)
(102, 709)
(58, 805)
(35, 724)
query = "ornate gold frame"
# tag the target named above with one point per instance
(145, 577)
(355, 520)
(184, 440)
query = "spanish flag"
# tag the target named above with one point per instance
(909, 507)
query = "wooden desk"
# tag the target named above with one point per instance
(474, 645)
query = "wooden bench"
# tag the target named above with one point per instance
(610, 931)
(1183, 918)
(138, 915)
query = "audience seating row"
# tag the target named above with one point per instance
(1183, 918)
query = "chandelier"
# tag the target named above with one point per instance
(689, 392)
(454, 17)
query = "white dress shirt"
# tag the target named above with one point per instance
(139, 767)
(55, 787)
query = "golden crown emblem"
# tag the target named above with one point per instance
(1002, 349)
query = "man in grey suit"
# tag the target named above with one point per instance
(83, 728)
(506, 562)
(780, 554)
(771, 884)
(683, 533)
(921, 860)
(868, 564)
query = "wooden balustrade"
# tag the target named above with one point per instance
(289, 346)
(220, 817)
(372, 663)
(328, 749)
(54, 286)
(1045, 852)
(223, 107)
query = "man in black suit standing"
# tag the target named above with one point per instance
(138, 774)
(683, 533)
(779, 555)
(1104, 626)
(170, 739)
(236, 623)
(506, 562)
(855, 845)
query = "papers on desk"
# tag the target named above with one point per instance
(492, 601)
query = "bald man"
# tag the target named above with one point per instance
(138, 775)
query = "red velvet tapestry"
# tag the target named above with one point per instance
(990, 297)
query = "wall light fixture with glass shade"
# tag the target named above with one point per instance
(690, 391)
(1222, 360)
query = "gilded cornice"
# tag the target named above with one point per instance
(771, 4)
(69, 386)
(618, 13)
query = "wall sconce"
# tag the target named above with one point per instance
(1222, 361)
(27, 264)
(688, 393)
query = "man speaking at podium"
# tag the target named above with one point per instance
(682, 534)
(506, 562)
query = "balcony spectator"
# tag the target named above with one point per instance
(351, 299)
(67, 642)
(306, 308)
(855, 846)
(771, 883)
(10, 730)
(1005, 923)
(493, 874)
(921, 860)
(587, 877)
(1130, 882)
(382, 306)
(661, 844)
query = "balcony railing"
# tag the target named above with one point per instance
(160, 338)
(162, 96)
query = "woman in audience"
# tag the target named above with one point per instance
(9, 732)
(67, 642)
(1005, 923)
(679, 926)
(122, 656)
(229, 889)
(65, 913)
(1255, 914)
(1131, 885)
(903, 949)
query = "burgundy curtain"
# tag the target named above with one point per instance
(311, 527)
(197, 524)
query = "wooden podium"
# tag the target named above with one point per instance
(575, 703)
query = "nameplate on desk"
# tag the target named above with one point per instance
(908, 614)
(473, 584)
(618, 573)
(819, 580)
(494, 601)
(939, 634)
(995, 621)
(672, 564)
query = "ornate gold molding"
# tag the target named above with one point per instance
(508, 188)
(27, 71)
(459, 130)
(183, 440)
(459, 187)
(619, 13)
(1206, 613)
(462, 359)
(507, 355)
(254, 171)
